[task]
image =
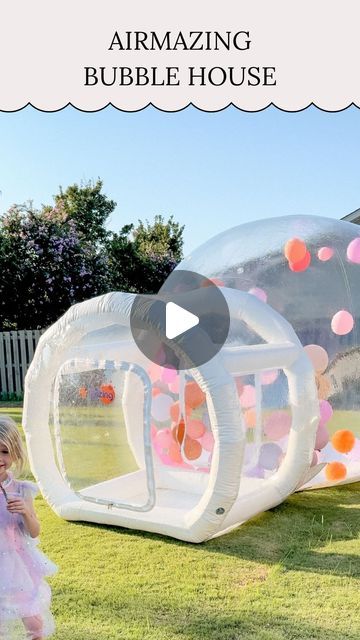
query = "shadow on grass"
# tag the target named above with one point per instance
(293, 534)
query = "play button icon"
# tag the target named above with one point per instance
(184, 325)
(178, 320)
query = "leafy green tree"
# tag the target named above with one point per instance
(159, 238)
(87, 206)
(141, 258)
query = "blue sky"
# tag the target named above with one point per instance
(210, 170)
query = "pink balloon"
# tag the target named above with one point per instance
(175, 385)
(315, 459)
(248, 396)
(169, 375)
(207, 441)
(353, 251)
(258, 293)
(268, 377)
(154, 372)
(318, 357)
(325, 254)
(322, 437)
(326, 411)
(160, 408)
(277, 425)
(342, 322)
(153, 431)
(164, 438)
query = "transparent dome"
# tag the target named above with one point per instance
(308, 269)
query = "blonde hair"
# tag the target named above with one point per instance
(10, 437)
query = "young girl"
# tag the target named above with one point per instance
(24, 594)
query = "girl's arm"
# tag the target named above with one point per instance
(26, 509)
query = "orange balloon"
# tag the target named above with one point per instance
(343, 440)
(175, 453)
(192, 448)
(107, 393)
(302, 265)
(194, 396)
(335, 471)
(209, 281)
(175, 411)
(250, 418)
(83, 392)
(295, 250)
(179, 432)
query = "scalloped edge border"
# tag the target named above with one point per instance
(190, 104)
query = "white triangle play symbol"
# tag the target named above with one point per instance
(178, 320)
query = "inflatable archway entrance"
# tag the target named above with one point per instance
(115, 439)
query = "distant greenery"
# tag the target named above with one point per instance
(291, 573)
(63, 253)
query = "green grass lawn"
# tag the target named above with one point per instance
(291, 573)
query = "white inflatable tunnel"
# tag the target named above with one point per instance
(114, 439)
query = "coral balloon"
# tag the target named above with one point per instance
(175, 453)
(258, 293)
(342, 322)
(295, 250)
(195, 429)
(248, 396)
(335, 471)
(318, 357)
(353, 251)
(343, 440)
(83, 392)
(250, 418)
(277, 425)
(175, 411)
(192, 448)
(194, 396)
(302, 265)
(325, 253)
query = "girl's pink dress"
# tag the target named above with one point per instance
(23, 567)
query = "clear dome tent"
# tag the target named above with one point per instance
(114, 438)
(318, 292)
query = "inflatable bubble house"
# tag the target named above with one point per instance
(307, 268)
(114, 438)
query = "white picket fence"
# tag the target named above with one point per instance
(16, 352)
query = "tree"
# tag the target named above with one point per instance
(159, 238)
(85, 205)
(46, 266)
(141, 258)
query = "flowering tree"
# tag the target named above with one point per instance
(60, 255)
(46, 266)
